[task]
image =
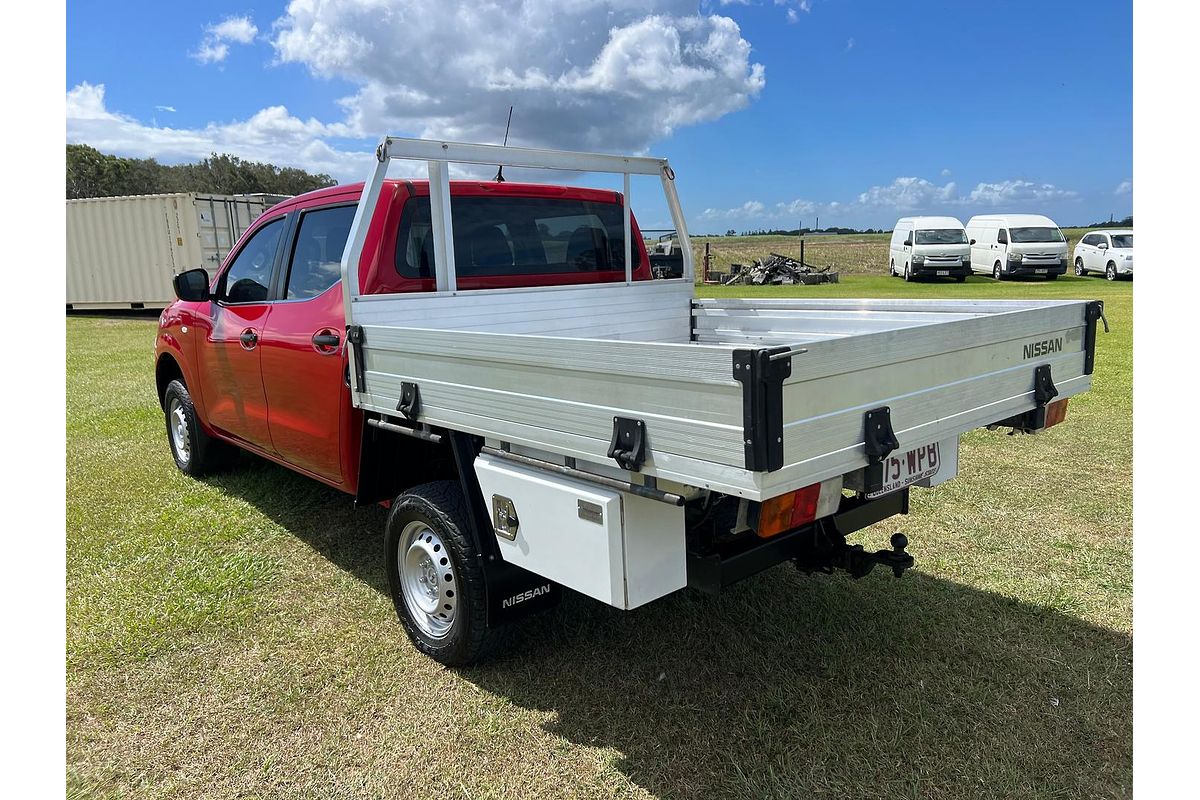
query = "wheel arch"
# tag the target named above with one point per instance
(167, 369)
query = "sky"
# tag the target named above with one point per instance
(774, 113)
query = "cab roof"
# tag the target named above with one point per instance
(352, 191)
(1014, 220)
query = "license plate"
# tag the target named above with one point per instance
(1040, 271)
(904, 469)
(943, 272)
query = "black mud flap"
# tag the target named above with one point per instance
(514, 592)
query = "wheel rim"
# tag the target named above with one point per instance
(427, 580)
(181, 437)
(1112, 273)
(1079, 267)
(996, 272)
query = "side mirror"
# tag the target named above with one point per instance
(192, 286)
(972, 241)
(908, 242)
(1103, 245)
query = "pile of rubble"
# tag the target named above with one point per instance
(779, 270)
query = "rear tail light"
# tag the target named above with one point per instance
(789, 511)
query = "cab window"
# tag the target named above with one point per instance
(1002, 236)
(249, 276)
(316, 262)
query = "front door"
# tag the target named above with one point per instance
(229, 361)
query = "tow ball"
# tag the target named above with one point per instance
(857, 561)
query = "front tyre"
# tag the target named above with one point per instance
(908, 276)
(1110, 271)
(195, 452)
(436, 577)
(997, 273)
(1079, 270)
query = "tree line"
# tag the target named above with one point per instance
(91, 173)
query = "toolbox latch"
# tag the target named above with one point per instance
(354, 335)
(628, 444)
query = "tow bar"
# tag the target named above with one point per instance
(855, 560)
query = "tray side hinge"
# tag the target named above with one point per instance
(410, 400)
(762, 372)
(356, 338)
(628, 444)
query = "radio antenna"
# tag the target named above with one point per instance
(500, 170)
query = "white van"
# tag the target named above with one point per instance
(933, 246)
(1009, 245)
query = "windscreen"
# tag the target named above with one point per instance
(518, 236)
(942, 236)
(1027, 235)
(1122, 240)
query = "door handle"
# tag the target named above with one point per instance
(249, 339)
(326, 340)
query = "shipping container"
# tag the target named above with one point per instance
(122, 252)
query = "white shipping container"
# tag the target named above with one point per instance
(122, 252)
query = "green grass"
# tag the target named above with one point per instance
(233, 637)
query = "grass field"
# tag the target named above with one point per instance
(233, 637)
(852, 254)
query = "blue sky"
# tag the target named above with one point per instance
(772, 112)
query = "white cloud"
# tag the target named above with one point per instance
(850, 43)
(1017, 191)
(946, 172)
(271, 135)
(1124, 187)
(792, 16)
(751, 209)
(214, 47)
(235, 29)
(610, 75)
(904, 195)
(907, 194)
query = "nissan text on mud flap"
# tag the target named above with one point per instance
(495, 363)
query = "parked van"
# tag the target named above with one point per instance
(1010, 245)
(930, 246)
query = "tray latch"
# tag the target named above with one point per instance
(410, 400)
(628, 444)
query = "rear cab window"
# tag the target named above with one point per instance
(521, 239)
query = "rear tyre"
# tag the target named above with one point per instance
(892, 268)
(1079, 270)
(436, 577)
(960, 278)
(997, 274)
(1110, 271)
(195, 452)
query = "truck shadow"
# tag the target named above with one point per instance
(797, 686)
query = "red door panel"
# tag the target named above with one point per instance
(230, 366)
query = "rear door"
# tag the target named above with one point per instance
(228, 360)
(303, 361)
